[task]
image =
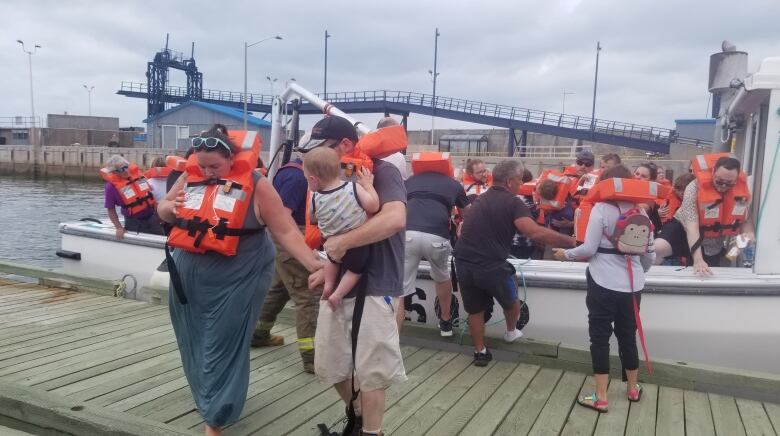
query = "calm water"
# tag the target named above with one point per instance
(31, 210)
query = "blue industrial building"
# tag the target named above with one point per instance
(174, 127)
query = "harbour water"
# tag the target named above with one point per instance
(31, 210)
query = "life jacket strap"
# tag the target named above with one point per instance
(198, 228)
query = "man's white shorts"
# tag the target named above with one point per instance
(435, 249)
(378, 358)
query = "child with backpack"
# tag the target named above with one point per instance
(619, 248)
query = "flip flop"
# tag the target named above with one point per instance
(635, 395)
(592, 402)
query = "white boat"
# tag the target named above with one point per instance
(728, 320)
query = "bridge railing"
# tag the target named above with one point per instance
(607, 127)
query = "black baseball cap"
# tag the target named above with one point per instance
(330, 127)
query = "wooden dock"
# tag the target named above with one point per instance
(117, 359)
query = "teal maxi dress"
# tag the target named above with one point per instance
(214, 328)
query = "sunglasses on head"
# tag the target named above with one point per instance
(585, 163)
(120, 169)
(209, 142)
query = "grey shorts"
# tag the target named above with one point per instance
(435, 249)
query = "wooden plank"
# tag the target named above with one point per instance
(128, 391)
(40, 301)
(469, 404)
(424, 383)
(492, 412)
(103, 347)
(180, 402)
(725, 416)
(434, 409)
(553, 416)
(523, 414)
(76, 345)
(22, 335)
(582, 421)
(642, 414)
(773, 412)
(52, 315)
(333, 414)
(13, 315)
(120, 377)
(671, 412)
(70, 336)
(262, 416)
(93, 359)
(698, 416)
(614, 422)
(754, 418)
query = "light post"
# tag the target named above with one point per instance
(563, 105)
(89, 93)
(595, 85)
(32, 100)
(325, 83)
(271, 82)
(435, 74)
(246, 48)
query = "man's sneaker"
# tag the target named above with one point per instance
(308, 367)
(482, 359)
(267, 340)
(513, 335)
(445, 327)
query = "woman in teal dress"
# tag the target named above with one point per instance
(223, 294)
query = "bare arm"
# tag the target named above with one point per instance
(390, 220)
(112, 215)
(368, 198)
(366, 193)
(268, 206)
(543, 235)
(173, 199)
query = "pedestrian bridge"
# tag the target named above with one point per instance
(647, 138)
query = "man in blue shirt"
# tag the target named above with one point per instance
(291, 278)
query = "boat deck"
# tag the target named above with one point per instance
(120, 356)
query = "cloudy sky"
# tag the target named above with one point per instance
(653, 66)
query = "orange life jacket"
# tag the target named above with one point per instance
(432, 162)
(135, 192)
(719, 214)
(214, 213)
(589, 180)
(564, 189)
(628, 190)
(378, 142)
(176, 163)
(570, 171)
(528, 188)
(472, 187)
(672, 202)
(157, 172)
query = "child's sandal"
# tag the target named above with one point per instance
(592, 402)
(635, 395)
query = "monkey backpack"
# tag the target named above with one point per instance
(632, 232)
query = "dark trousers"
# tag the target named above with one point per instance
(149, 224)
(605, 309)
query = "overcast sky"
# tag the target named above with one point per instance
(653, 66)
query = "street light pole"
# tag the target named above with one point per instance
(272, 82)
(89, 93)
(435, 74)
(563, 105)
(32, 99)
(246, 48)
(325, 84)
(595, 85)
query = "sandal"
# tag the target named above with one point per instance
(635, 395)
(592, 402)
